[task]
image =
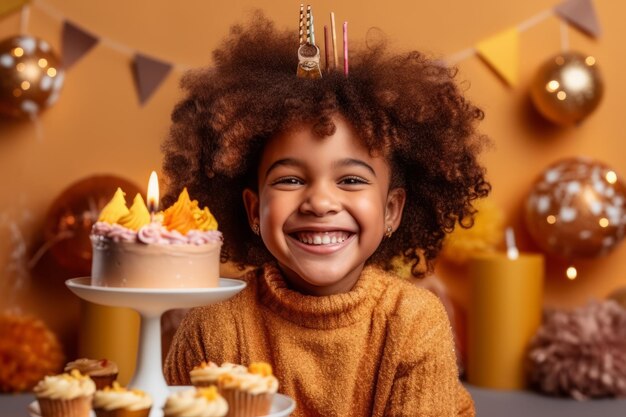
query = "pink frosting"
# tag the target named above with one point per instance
(155, 234)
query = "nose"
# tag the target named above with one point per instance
(321, 200)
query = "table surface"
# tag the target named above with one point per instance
(496, 403)
(489, 403)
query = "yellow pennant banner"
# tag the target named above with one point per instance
(501, 52)
(9, 6)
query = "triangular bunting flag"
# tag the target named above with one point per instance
(581, 14)
(9, 6)
(501, 52)
(149, 74)
(75, 43)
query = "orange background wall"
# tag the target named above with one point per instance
(98, 127)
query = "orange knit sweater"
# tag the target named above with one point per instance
(383, 349)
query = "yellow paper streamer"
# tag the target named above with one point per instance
(501, 52)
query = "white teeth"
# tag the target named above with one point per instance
(325, 238)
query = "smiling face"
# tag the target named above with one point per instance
(323, 206)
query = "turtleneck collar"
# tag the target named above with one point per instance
(319, 312)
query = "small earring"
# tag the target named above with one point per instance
(389, 231)
(256, 228)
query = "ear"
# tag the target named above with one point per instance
(251, 202)
(395, 205)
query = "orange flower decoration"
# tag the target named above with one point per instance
(28, 352)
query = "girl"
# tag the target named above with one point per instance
(318, 184)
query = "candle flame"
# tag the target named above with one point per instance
(153, 193)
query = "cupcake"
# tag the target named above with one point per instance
(102, 371)
(65, 395)
(117, 401)
(207, 374)
(196, 402)
(249, 394)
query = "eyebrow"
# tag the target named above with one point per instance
(352, 162)
(341, 163)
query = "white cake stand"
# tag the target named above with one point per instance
(151, 304)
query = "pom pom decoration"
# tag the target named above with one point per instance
(31, 76)
(484, 236)
(577, 208)
(567, 88)
(28, 352)
(581, 353)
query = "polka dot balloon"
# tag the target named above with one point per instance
(577, 208)
(31, 76)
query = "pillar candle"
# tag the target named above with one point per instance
(109, 333)
(504, 313)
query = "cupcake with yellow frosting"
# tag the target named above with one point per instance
(207, 374)
(117, 401)
(197, 402)
(102, 371)
(249, 394)
(176, 248)
(65, 395)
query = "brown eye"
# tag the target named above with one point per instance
(288, 181)
(353, 180)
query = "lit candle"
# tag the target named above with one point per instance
(153, 193)
(504, 313)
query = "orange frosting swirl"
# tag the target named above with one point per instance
(185, 215)
(180, 215)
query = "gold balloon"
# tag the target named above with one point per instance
(567, 88)
(577, 208)
(31, 76)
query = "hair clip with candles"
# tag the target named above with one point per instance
(308, 52)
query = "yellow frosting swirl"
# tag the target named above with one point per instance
(115, 208)
(138, 215)
(204, 219)
(210, 393)
(260, 368)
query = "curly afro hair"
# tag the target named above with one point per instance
(403, 106)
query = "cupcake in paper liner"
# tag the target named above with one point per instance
(102, 371)
(65, 395)
(117, 401)
(196, 402)
(249, 394)
(207, 374)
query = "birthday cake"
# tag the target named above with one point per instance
(176, 248)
